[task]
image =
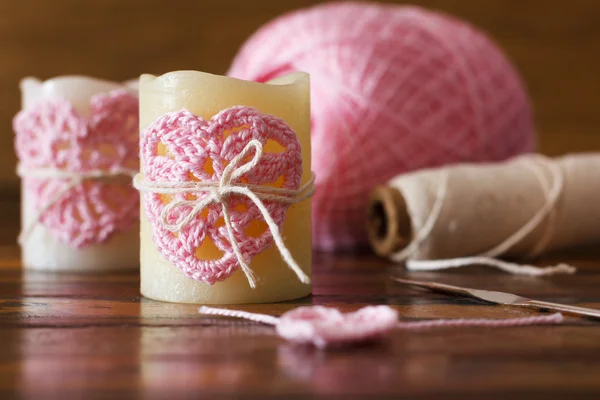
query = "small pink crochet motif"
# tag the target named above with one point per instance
(324, 326)
(327, 327)
(195, 150)
(57, 146)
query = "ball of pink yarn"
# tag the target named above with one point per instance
(393, 89)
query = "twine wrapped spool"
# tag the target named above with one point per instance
(517, 209)
(393, 89)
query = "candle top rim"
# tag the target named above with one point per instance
(82, 79)
(166, 79)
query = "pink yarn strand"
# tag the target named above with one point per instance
(223, 312)
(483, 322)
(323, 326)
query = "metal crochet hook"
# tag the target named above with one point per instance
(502, 298)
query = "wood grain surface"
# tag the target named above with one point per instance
(554, 43)
(93, 336)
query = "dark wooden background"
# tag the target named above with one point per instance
(555, 44)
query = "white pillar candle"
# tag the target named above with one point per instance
(205, 95)
(41, 248)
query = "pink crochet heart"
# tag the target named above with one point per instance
(53, 136)
(324, 326)
(196, 150)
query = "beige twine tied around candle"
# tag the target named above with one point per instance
(219, 192)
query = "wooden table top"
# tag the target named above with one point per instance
(94, 336)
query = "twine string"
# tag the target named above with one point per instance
(73, 179)
(219, 192)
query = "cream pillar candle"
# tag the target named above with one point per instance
(42, 249)
(205, 95)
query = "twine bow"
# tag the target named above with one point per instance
(219, 192)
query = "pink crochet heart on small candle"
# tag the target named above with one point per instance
(184, 149)
(57, 147)
(324, 326)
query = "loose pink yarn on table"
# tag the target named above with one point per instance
(393, 89)
(328, 327)
(53, 138)
(199, 151)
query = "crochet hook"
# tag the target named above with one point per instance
(502, 298)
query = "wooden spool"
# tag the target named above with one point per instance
(388, 223)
